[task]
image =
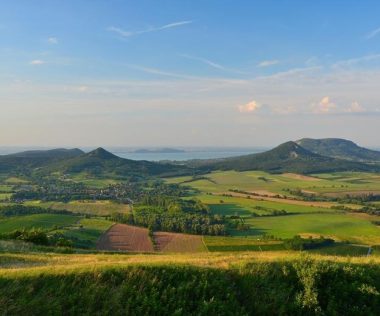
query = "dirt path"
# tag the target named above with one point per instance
(121, 237)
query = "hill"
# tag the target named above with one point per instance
(339, 148)
(100, 162)
(287, 157)
(28, 160)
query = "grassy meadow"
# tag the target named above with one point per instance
(245, 283)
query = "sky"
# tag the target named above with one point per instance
(188, 72)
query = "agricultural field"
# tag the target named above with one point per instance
(98, 208)
(173, 242)
(258, 195)
(122, 237)
(43, 221)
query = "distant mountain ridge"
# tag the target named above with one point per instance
(287, 157)
(339, 148)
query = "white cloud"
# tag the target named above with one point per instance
(250, 107)
(53, 40)
(267, 63)
(373, 33)
(152, 29)
(324, 106)
(37, 62)
(355, 108)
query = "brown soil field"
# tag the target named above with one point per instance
(121, 237)
(300, 177)
(173, 242)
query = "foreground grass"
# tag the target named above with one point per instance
(271, 283)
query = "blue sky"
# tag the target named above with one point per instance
(152, 73)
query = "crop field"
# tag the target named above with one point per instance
(44, 221)
(222, 181)
(122, 237)
(306, 218)
(342, 227)
(99, 208)
(227, 244)
(172, 242)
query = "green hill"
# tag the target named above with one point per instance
(287, 157)
(339, 148)
(28, 160)
(100, 162)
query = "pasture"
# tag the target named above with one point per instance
(44, 221)
(98, 208)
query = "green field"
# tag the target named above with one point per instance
(86, 232)
(99, 208)
(339, 226)
(221, 181)
(44, 221)
(305, 218)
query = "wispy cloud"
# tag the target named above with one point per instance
(155, 71)
(267, 63)
(212, 64)
(358, 60)
(125, 33)
(52, 40)
(373, 33)
(37, 62)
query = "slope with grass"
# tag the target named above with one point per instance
(280, 283)
(339, 148)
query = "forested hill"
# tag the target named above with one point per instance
(28, 160)
(287, 157)
(100, 162)
(339, 148)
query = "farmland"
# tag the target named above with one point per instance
(255, 196)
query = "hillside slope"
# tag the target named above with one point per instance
(101, 162)
(288, 157)
(28, 160)
(339, 148)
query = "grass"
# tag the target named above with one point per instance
(44, 221)
(249, 283)
(340, 226)
(228, 244)
(87, 231)
(99, 208)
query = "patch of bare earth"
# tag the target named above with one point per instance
(121, 237)
(173, 242)
(300, 177)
